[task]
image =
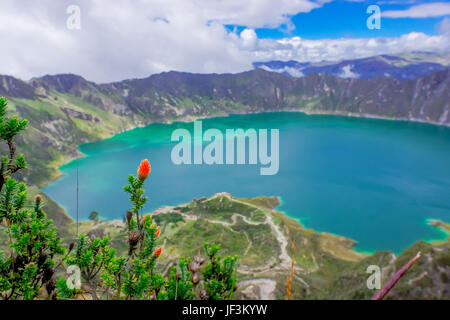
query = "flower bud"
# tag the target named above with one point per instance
(133, 239)
(129, 216)
(157, 252)
(157, 232)
(144, 170)
(195, 278)
(38, 198)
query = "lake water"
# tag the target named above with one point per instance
(375, 181)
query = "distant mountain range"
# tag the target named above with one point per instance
(402, 67)
(66, 110)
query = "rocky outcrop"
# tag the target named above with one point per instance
(80, 115)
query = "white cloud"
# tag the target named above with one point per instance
(304, 50)
(346, 72)
(426, 10)
(249, 38)
(291, 71)
(444, 27)
(120, 40)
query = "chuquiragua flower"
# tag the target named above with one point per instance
(144, 170)
(157, 252)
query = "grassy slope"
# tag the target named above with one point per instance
(53, 136)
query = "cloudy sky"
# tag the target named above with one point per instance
(131, 39)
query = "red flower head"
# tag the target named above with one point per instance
(157, 232)
(144, 170)
(38, 198)
(157, 252)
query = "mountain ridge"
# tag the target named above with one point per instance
(401, 66)
(67, 110)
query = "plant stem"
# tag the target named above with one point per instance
(391, 283)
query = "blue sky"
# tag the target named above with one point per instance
(347, 19)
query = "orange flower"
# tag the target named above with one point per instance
(147, 216)
(157, 252)
(38, 198)
(157, 232)
(144, 170)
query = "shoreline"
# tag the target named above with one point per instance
(299, 221)
(442, 226)
(438, 224)
(433, 223)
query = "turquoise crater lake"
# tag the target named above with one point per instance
(375, 181)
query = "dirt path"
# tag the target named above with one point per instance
(265, 286)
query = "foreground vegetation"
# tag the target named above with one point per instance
(325, 265)
(142, 257)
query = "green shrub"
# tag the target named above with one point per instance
(29, 263)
